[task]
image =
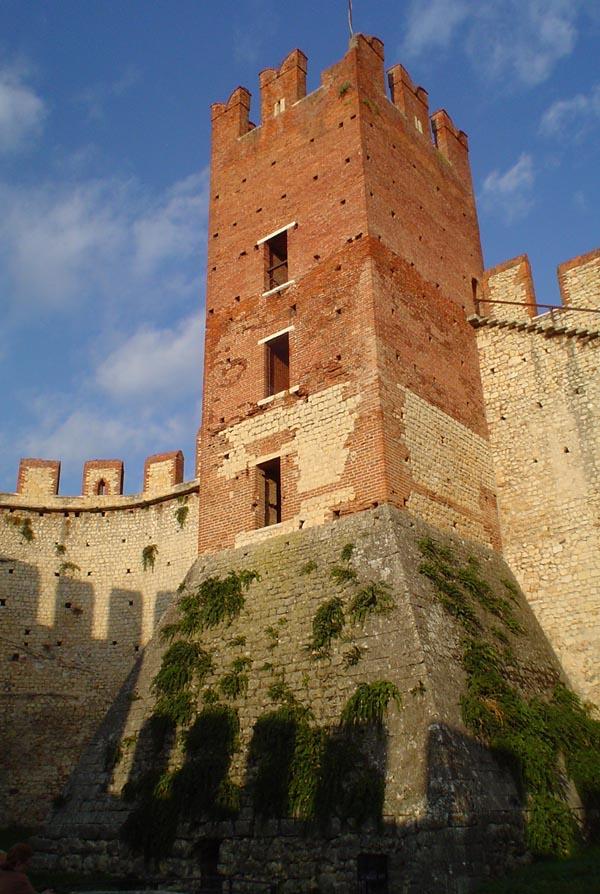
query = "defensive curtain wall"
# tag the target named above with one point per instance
(542, 397)
(83, 583)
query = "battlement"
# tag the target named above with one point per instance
(512, 282)
(102, 479)
(358, 77)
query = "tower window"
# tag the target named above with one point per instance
(277, 364)
(372, 873)
(270, 492)
(276, 261)
(101, 487)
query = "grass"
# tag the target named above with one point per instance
(579, 875)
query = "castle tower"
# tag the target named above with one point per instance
(343, 259)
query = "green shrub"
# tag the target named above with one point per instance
(369, 703)
(342, 574)
(181, 663)
(374, 598)
(233, 685)
(181, 514)
(271, 755)
(352, 656)
(149, 554)
(327, 625)
(216, 601)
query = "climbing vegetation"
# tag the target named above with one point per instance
(327, 625)
(315, 773)
(234, 683)
(23, 526)
(181, 514)
(215, 601)
(374, 598)
(68, 568)
(149, 554)
(296, 767)
(546, 738)
(368, 704)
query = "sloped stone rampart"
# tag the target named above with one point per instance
(451, 814)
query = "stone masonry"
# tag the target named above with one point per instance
(364, 382)
(542, 394)
(77, 608)
(451, 814)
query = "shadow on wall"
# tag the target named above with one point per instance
(58, 680)
(198, 825)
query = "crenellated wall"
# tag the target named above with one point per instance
(542, 394)
(83, 583)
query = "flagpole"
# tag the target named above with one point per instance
(350, 18)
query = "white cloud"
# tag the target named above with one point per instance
(95, 98)
(22, 111)
(572, 116)
(516, 40)
(155, 361)
(89, 433)
(509, 193)
(171, 229)
(96, 241)
(433, 25)
(57, 241)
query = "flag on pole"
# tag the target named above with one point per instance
(350, 18)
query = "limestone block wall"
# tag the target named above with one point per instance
(542, 392)
(77, 607)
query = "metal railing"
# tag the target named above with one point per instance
(560, 308)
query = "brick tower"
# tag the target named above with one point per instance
(343, 259)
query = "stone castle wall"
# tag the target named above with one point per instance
(542, 393)
(77, 608)
(450, 815)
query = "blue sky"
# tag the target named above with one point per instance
(104, 142)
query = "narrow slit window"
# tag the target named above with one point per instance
(101, 487)
(276, 261)
(270, 485)
(277, 364)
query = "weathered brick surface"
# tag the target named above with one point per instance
(383, 252)
(76, 609)
(450, 815)
(543, 407)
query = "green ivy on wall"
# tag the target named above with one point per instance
(546, 738)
